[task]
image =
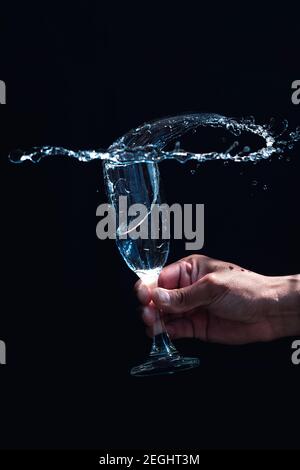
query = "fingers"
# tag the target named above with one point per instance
(178, 275)
(177, 326)
(187, 271)
(181, 328)
(202, 293)
(149, 315)
(142, 292)
(175, 275)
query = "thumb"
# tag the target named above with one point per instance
(201, 293)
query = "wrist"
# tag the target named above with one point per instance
(285, 312)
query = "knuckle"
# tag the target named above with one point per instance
(195, 258)
(186, 265)
(216, 287)
(200, 257)
(212, 279)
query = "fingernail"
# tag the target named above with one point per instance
(163, 296)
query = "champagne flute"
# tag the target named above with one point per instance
(139, 183)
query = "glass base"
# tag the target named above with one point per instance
(165, 365)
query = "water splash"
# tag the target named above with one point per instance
(148, 142)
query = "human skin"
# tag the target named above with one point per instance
(201, 297)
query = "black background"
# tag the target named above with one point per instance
(80, 77)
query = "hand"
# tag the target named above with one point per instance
(200, 297)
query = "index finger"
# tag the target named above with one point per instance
(142, 292)
(176, 275)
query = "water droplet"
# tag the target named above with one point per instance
(246, 149)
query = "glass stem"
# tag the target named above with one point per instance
(161, 345)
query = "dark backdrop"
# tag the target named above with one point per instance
(80, 77)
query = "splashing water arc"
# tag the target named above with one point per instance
(147, 143)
